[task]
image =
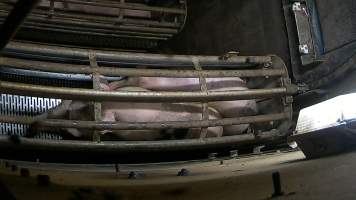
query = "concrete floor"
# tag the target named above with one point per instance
(248, 178)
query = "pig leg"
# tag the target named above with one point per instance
(59, 112)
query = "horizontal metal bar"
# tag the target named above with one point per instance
(133, 59)
(50, 75)
(136, 146)
(131, 96)
(63, 16)
(133, 72)
(84, 27)
(62, 30)
(127, 6)
(93, 125)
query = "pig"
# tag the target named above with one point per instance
(156, 112)
(136, 112)
(227, 109)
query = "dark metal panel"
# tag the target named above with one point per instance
(15, 19)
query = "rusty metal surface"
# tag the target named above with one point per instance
(266, 76)
(96, 95)
(72, 55)
(97, 125)
(136, 146)
(134, 72)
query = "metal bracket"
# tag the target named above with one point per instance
(307, 46)
(229, 55)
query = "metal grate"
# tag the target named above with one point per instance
(125, 24)
(24, 106)
(27, 105)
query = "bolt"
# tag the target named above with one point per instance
(297, 6)
(43, 180)
(304, 49)
(267, 65)
(24, 172)
(183, 172)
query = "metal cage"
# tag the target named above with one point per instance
(33, 72)
(266, 77)
(133, 24)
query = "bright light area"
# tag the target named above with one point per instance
(327, 114)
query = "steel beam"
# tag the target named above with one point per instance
(132, 96)
(133, 72)
(15, 19)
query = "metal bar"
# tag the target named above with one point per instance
(64, 30)
(131, 96)
(136, 146)
(124, 58)
(98, 125)
(133, 72)
(203, 88)
(96, 85)
(62, 16)
(127, 6)
(15, 19)
(84, 27)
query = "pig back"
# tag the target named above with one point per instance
(227, 109)
(157, 112)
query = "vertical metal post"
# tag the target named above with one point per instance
(121, 13)
(96, 86)
(15, 19)
(51, 9)
(203, 88)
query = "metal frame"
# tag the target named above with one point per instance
(15, 19)
(267, 67)
(97, 63)
(59, 20)
(112, 58)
